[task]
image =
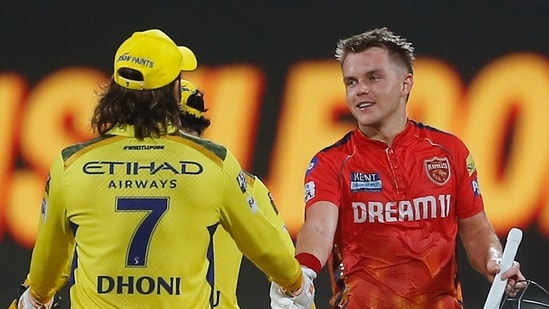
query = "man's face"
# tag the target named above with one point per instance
(376, 87)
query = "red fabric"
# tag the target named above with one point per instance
(309, 260)
(399, 207)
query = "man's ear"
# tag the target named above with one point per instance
(177, 90)
(407, 84)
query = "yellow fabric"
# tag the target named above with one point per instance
(141, 216)
(155, 56)
(227, 253)
(187, 89)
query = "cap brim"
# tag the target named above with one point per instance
(189, 59)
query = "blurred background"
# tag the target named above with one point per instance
(275, 96)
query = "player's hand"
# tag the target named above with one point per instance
(515, 279)
(26, 301)
(303, 298)
(279, 300)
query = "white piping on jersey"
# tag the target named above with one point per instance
(349, 156)
(397, 188)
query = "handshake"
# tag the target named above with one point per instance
(25, 301)
(302, 298)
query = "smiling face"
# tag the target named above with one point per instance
(377, 86)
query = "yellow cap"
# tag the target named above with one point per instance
(197, 106)
(155, 56)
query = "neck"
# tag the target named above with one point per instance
(190, 132)
(384, 133)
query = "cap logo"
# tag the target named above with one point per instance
(438, 170)
(137, 60)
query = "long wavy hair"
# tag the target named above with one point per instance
(191, 123)
(149, 111)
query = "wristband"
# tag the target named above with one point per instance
(309, 260)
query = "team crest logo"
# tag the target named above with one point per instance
(438, 170)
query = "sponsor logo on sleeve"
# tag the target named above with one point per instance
(471, 167)
(252, 203)
(241, 179)
(365, 182)
(309, 191)
(476, 186)
(312, 164)
(438, 170)
(44, 210)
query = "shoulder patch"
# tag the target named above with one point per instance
(471, 167)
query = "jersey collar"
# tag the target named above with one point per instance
(129, 130)
(402, 138)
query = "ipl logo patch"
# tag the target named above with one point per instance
(438, 170)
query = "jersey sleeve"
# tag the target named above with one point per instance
(469, 198)
(256, 237)
(267, 206)
(54, 245)
(321, 180)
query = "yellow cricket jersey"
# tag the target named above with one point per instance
(227, 252)
(136, 220)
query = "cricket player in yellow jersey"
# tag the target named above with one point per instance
(134, 211)
(226, 252)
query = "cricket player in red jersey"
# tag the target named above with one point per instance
(385, 204)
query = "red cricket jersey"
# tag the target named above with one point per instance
(399, 207)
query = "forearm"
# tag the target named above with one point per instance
(317, 234)
(43, 280)
(480, 242)
(311, 240)
(51, 260)
(482, 250)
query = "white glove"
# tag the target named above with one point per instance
(281, 299)
(26, 301)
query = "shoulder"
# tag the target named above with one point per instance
(341, 145)
(427, 130)
(340, 149)
(438, 136)
(334, 154)
(204, 145)
(451, 143)
(71, 150)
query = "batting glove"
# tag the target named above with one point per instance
(303, 298)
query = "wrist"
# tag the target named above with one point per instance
(309, 260)
(28, 301)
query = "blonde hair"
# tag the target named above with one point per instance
(398, 47)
